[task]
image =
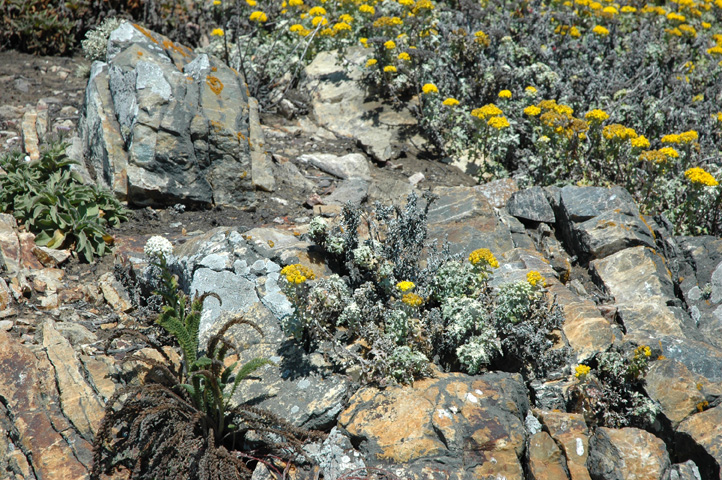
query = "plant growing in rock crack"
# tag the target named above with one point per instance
(388, 310)
(609, 391)
(183, 423)
(54, 203)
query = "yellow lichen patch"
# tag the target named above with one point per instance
(189, 78)
(270, 242)
(215, 124)
(240, 136)
(214, 69)
(215, 84)
(145, 32)
(244, 175)
(140, 54)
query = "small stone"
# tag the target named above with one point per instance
(50, 257)
(416, 178)
(6, 325)
(114, 293)
(353, 165)
(531, 204)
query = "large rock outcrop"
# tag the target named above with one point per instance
(162, 125)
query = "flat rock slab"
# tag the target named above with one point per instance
(678, 391)
(353, 165)
(531, 204)
(627, 454)
(162, 125)
(704, 430)
(570, 431)
(468, 426)
(579, 204)
(611, 232)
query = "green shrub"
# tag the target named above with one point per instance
(390, 311)
(182, 423)
(54, 203)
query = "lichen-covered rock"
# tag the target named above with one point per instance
(703, 430)
(570, 431)
(627, 454)
(163, 125)
(453, 426)
(611, 232)
(531, 204)
(546, 461)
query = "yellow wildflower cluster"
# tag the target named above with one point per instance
(560, 119)
(258, 16)
(488, 110)
(655, 156)
(451, 102)
(481, 38)
(642, 351)
(412, 299)
(581, 371)
(483, 256)
(669, 152)
(217, 32)
(390, 69)
(367, 9)
(532, 110)
(681, 138)
(616, 131)
(429, 88)
(297, 273)
(390, 45)
(596, 115)
(505, 94)
(404, 56)
(699, 176)
(600, 31)
(640, 142)
(498, 123)
(405, 286)
(570, 30)
(382, 22)
(535, 278)
(371, 62)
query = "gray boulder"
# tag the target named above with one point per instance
(162, 125)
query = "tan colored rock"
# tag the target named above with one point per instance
(677, 390)
(27, 244)
(78, 401)
(28, 388)
(468, 424)
(100, 368)
(114, 293)
(6, 297)
(498, 192)
(30, 134)
(705, 429)
(50, 257)
(261, 169)
(570, 431)
(545, 458)
(10, 256)
(627, 454)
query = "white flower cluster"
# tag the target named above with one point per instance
(158, 246)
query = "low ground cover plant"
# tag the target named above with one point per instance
(391, 310)
(182, 422)
(53, 202)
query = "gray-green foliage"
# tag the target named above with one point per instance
(392, 314)
(96, 40)
(54, 203)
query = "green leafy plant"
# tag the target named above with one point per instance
(54, 203)
(182, 423)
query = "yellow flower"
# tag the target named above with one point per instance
(617, 131)
(405, 286)
(671, 138)
(364, 41)
(429, 88)
(596, 115)
(390, 69)
(505, 94)
(601, 31)
(498, 122)
(640, 142)
(628, 9)
(404, 56)
(452, 102)
(581, 371)
(217, 32)
(327, 32)
(367, 9)
(406, 3)
(532, 110)
(297, 273)
(258, 16)
(688, 137)
(317, 11)
(345, 18)
(481, 38)
(295, 3)
(371, 61)
(390, 45)
(719, 117)
(675, 17)
(531, 91)
(252, 3)
(483, 256)
(669, 152)
(412, 299)
(316, 20)
(699, 176)
(706, 25)
(216, 2)
(716, 50)
(534, 278)
(341, 26)
(654, 156)
(489, 110)
(610, 11)
(574, 32)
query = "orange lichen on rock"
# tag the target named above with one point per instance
(172, 46)
(145, 32)
(215, 84)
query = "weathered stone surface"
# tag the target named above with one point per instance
(50, 257)
(531, 204)
(570, 431)
(611, 232)
(42, 434)
(464, 217)
(634, 275)
(163, 125)
(545, 458)
(114, 293)
(579, 204)
(353, 191)
(340, 104)
(498, 192)
(704, 430)
(457, 424)
(353, 165)
(77, 399)
(261, 165)
(627, 454)
(336, 456)
(31, 143)
(684, 471)
(677, 390)
(10, 257)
